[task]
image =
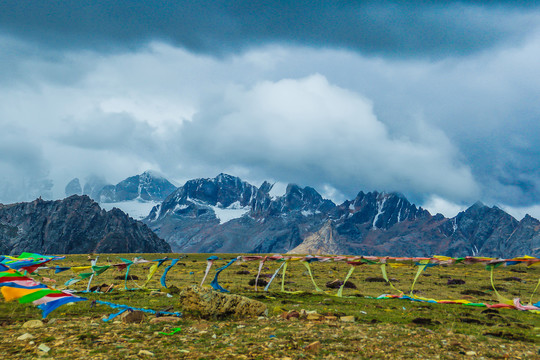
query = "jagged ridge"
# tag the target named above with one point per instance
(372, 224)
(75, 225)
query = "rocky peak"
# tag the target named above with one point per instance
(306, 200)
(481, 230)
(323, 241)
(223, 190)
(148, 186)
(73, 187)
(383, 210)
(528, 219)
(75, 225)
(470, 220)
(266, 187)
(204, 196)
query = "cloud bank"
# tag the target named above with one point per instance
(435, 100)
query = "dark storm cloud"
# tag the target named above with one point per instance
(432, 28)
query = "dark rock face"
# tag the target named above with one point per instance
(191, 219)
(73, 187)
(525, 239)
(480, 230)
(75, 225)
(147, 186)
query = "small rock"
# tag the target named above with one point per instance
(291, 314)
(163, 319)
(330, 317)
(146, 353)
(260, 282)
(349, 318)
(26, 336)
(172, 290)
(133, 316)
(336, 284)
(470, 353)
(44, 348)
(455, 282)
(314, 347)
(425, 321)
(32, 324)
(314, 317)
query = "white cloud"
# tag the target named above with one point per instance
(312, 130)
(520, 212)
(331, 119)
(438, 205)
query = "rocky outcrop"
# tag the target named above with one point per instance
(322, 242)
(525, 239)
(75, 225)
(209, 303)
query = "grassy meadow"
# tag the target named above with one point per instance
(382, 328)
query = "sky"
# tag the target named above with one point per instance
(437, 100)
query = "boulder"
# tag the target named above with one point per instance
(32, 324)
(210, 303)
(136, 316)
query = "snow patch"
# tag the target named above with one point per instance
(137, 209)
(180, 207)
(380, 206)
(233, 211)
(307, 212)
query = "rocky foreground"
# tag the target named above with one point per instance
(299, 323)
(271, 337)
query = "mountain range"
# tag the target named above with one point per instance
(228, 215)
(148, 186)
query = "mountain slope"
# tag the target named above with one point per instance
(75, 225)
(191, 219)
(148, 186)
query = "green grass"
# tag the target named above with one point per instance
(389, 328)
